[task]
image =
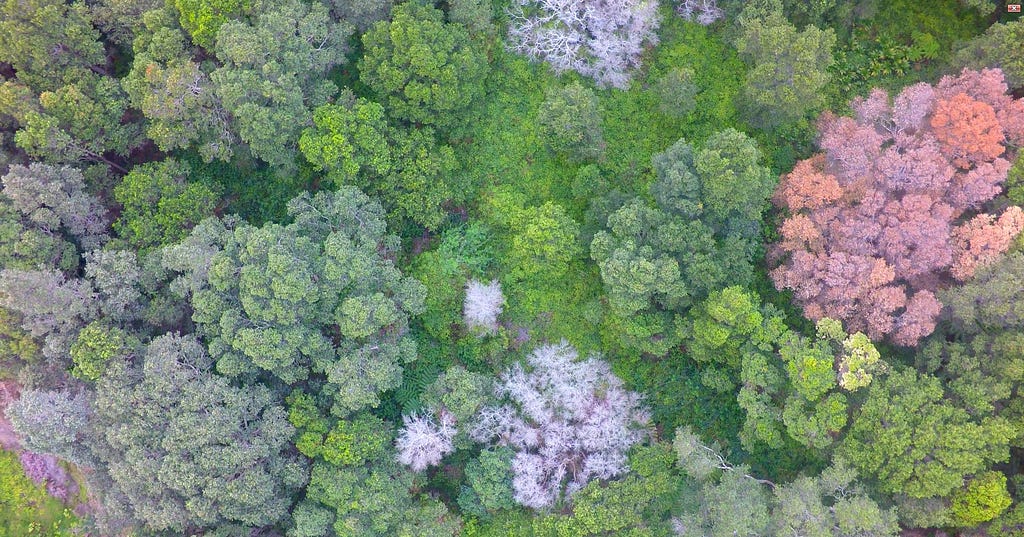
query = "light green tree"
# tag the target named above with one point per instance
(424, 70)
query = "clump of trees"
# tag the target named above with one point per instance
(701, 233)
(876, 221)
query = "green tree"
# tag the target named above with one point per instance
(354, 143)
(703, 233)
(984, 498)
(97, 344)
(788, 69)
(912, 441)
(570, 122)
(49, 42)
(159, 206)
(175, 94)
(80, 120)
(998, 47)
(317, 296)
(361, 13)
(426, 71)
(191, 450)
(274, 71)
(488, 485)
(203, 18)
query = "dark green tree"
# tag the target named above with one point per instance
(788, 68)
(49, 42)
(570, 122)
(702, 234)
(187, 448)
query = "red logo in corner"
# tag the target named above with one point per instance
(1013, 8)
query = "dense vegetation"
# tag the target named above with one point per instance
(482, 268)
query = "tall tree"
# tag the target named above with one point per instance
(789, 68)
(425, 71)
(874, 229)
(571, 122)
(159, 206)
(275, 71)
(912, 441)
(49, 42)
(317, 296)
(353, 141)
(570, 421)
(187, 448)
(602, 40)
(174, 93)
(702, 233)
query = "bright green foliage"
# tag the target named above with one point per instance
(48, 42)
(78, 121)
(788, 69)
(464, 251)
(159, 206)
(275, 71)
(349, 139)
(353, 441)
(203, 18)
(488, 483)
(175, 94)
(368, 500)
(190, 449)
(543, 239)
(984, 498)
(317, 296)
(426, 71)
(98, 344)
(25, 507)
(998, 47)
(353, 142)
(702, 234)
(570, 122)
(912, 441)
(788, 383)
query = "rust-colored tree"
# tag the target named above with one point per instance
(888, 212)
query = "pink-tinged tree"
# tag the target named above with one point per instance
(601, 39)
(887, 214)
(569, 421)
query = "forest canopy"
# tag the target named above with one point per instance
(511, 268)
